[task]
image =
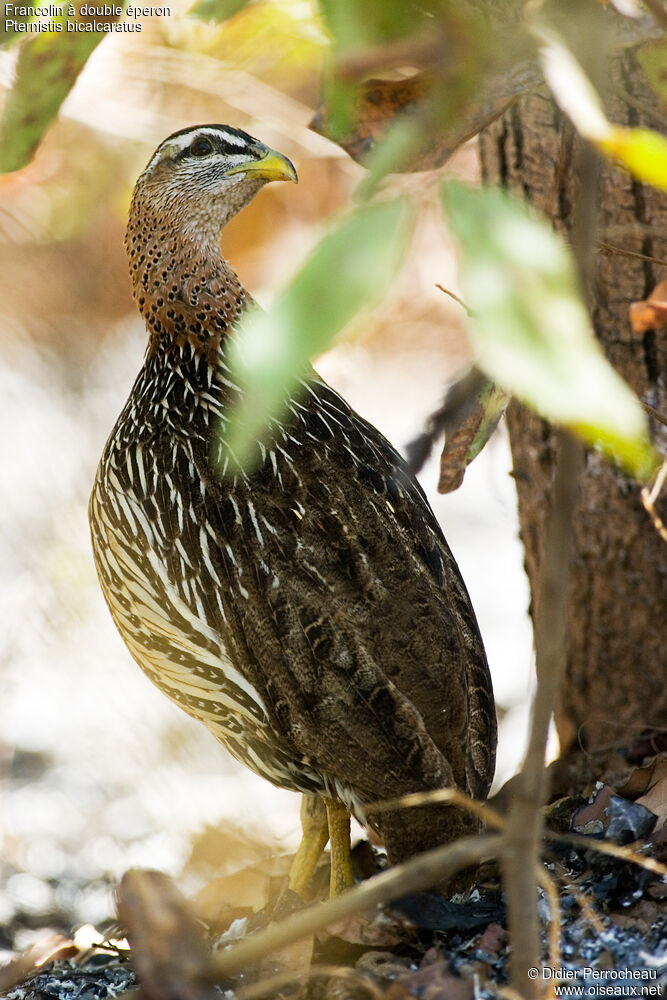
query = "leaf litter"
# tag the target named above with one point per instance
(613, 917)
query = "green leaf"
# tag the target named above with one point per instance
(352, 267)
(353, 25)
(653, 60)
(399, 144)
(641, 151)
(217, 10)
(10, 33)
(47, 68)
(530, 329)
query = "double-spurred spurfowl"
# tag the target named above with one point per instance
(308, 611)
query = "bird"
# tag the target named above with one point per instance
(308, 610)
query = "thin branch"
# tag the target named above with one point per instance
(415, 875)
(441, 796)
(523, 837)
(588, 911)
(611, 248)
(652, 412)
(608, 847)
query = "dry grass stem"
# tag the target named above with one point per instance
(414, 876)
(612, 248)
(649, 498)
(587, 909)
(615, 850)
(551, 892)
(525, 826)
(443, 796)
(452, 295)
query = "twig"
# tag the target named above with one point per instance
(551, 892)
(649, 498)
(440, 796)
(523, 837)
(622, 252)
(587, 909)
(652, 412)
(413, 876)
(451, 294)
(615, 850)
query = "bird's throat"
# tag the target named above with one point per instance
(184, 288)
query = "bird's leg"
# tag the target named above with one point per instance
(339, 837)
(314, 838)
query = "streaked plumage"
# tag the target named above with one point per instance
(309, 613)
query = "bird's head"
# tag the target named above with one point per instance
(202, 176)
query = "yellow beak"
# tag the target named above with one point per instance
(271, 166)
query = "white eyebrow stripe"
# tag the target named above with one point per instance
(178, 143)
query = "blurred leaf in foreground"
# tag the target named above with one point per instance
(47, 68)
(531, 331)
(653, 60)
(216, 10)
(639, 150)
(10, 28)
(350, 268)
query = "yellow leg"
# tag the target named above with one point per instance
(339, 836)
(313, 841)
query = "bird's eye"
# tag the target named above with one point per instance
(201, 147)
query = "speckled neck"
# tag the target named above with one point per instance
(184, 288)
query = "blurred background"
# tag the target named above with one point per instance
(98, 771)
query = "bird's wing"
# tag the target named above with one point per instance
(346, 609)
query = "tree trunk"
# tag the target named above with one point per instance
(615, 682)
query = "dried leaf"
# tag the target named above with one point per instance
(376, 930)
(650, 313)
(52, 948)
(226, 849)
(643, 778)
(464, 443)
(381, 105)
(295, 959)
(590, 819)
(169, 951)
(241, 894)
(655, 797)
(493, 940)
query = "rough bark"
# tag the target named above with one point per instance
(615, 673)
